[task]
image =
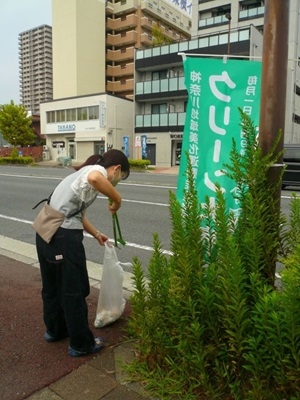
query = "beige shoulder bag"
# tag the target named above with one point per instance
(49, 220)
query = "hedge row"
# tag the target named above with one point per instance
(138, 164)
(16, 160)
(134, 164)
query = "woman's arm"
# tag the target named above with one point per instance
(89, 228)
(102, 184)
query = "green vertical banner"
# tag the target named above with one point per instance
(216, 89)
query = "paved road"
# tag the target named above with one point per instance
(145, 209)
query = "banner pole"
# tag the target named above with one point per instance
(274, 72)
(273, 93)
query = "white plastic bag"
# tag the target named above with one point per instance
(111, 302)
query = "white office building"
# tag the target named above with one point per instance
(230, 18)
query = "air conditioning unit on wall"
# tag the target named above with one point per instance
(46, 155)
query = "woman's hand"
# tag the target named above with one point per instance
(89, 228)
(101, 238)
(113, 206)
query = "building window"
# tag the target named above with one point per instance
(50, 117)
(71, 114)
(156, 75)
(247, 5)
(60, 115)
(93, 112)
(296, 119)
(82, 114)
(159, 108)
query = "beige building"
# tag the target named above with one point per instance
(78, 28)
(129, 25)
(78, 127)
(94, 42)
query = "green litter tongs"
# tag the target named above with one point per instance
(117, 231)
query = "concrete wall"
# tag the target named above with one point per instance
(78, 37)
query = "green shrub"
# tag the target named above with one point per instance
(16, 160)
(209, 322)
(14, 153)
(140, 165)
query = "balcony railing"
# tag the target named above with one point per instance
(122, 39)
(121, 23)
(159, 120)
(120, 70)
(159, 86)
(252, 13)
(120, 55)
(207, 22)
(147, 23)
(198, 43)
(109, 7)
(146, 39)
(120, 86)
(122, 7)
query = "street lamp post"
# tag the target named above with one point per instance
(228, 16)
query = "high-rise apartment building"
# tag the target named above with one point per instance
(94, 42)
(131, 24)
(35, 65)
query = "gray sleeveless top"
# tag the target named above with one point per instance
(74, 193)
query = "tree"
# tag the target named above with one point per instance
(16, 125)
(158, 38)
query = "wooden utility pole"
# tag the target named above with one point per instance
(273, 98)
(274, 74)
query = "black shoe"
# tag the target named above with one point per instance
(99, 344)
(50, 338)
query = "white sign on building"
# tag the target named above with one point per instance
(102, 114)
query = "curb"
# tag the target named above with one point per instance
(26, 253)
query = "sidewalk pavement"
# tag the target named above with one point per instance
(156, 170)
(100, 377)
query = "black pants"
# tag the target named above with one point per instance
(65, 287)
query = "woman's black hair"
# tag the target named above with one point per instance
(111, 157)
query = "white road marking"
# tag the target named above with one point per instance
(135, 245)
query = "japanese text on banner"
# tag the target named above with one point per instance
(216, 91)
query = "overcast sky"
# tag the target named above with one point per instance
(17, 16)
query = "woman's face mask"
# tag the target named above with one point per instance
(117, 177)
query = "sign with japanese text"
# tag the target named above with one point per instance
(126, 145)
(138, 141)
(102, 114)
(144, 147)
(216, 89)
